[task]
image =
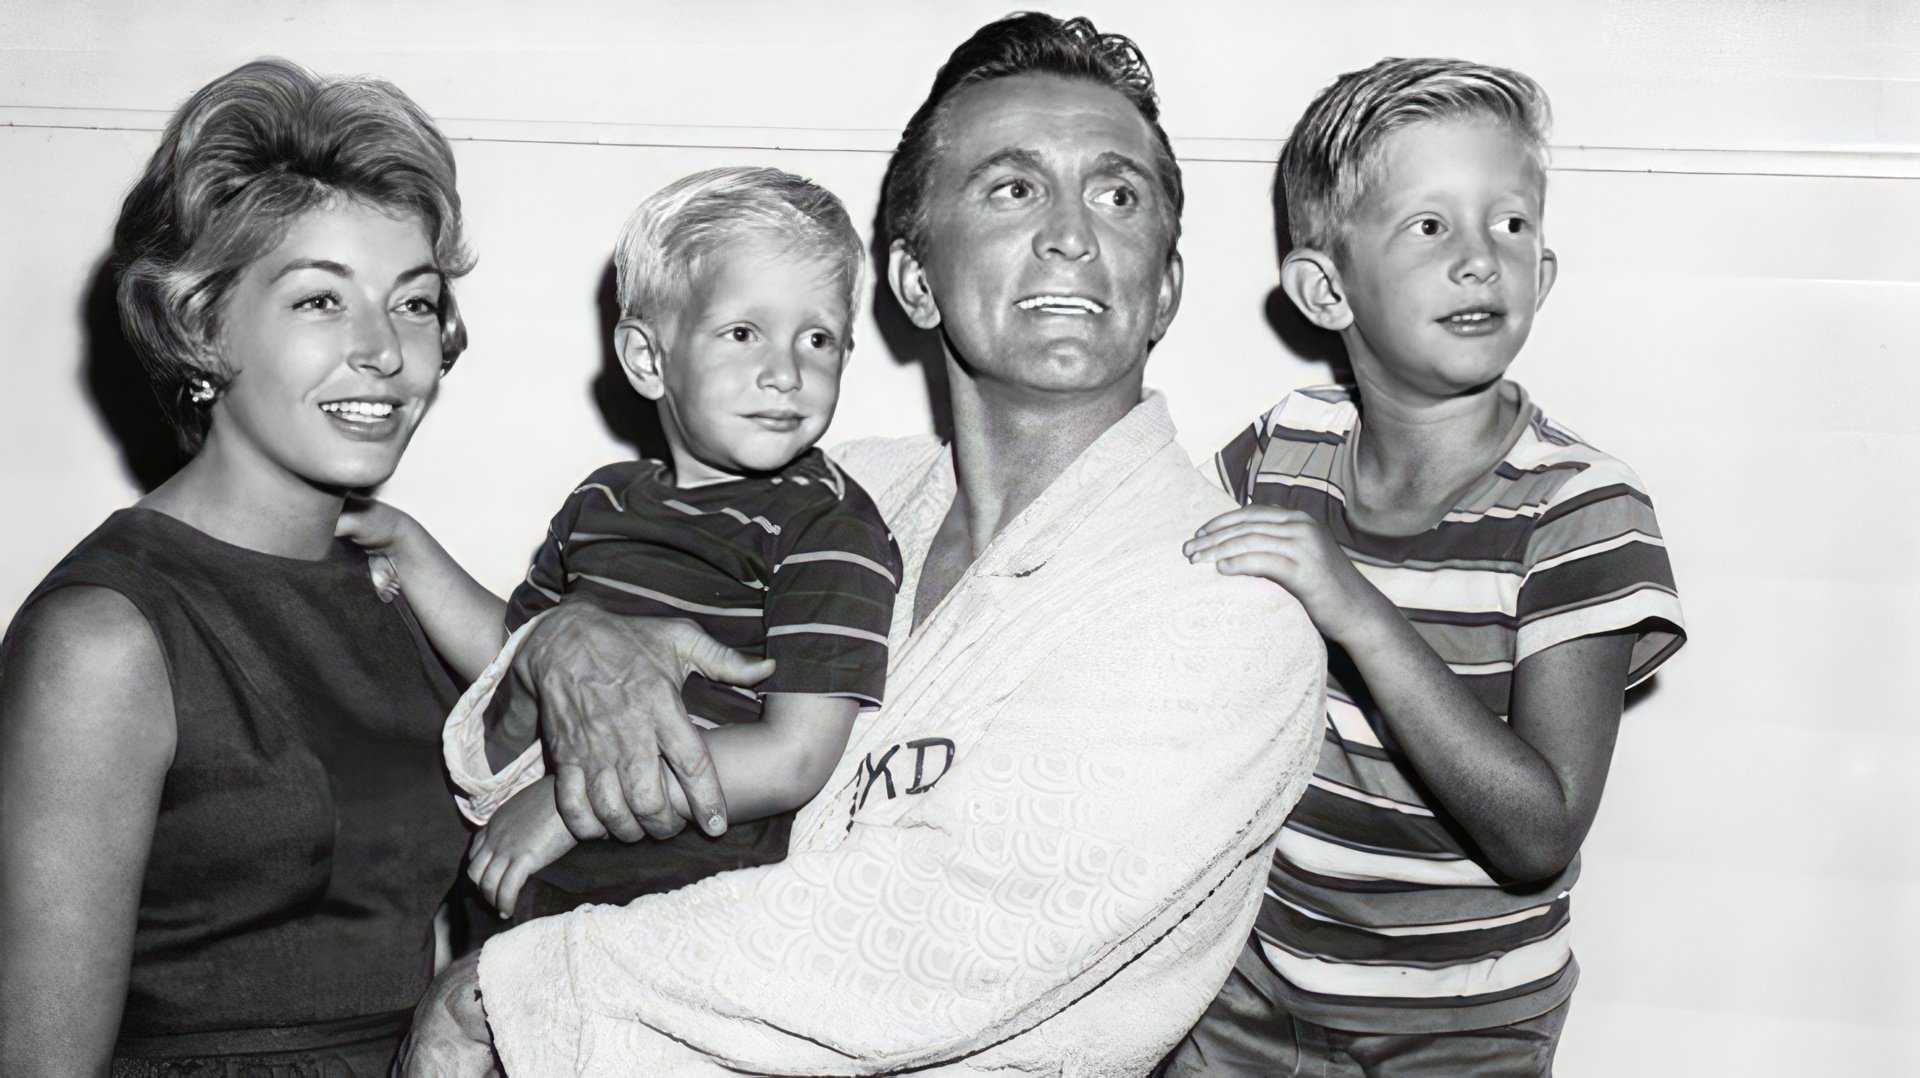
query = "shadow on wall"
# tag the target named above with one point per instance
(1301, 337)
(629, 416)
(121, 394)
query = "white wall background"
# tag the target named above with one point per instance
(1736, 204)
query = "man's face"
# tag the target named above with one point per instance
(1048, 244)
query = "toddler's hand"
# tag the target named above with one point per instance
(373, 524)
(1294, 551)
(524, 836)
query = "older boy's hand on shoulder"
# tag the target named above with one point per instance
(1294, 551)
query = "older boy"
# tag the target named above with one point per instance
(736, 289)
(1487, 582)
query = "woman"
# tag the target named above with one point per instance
(224, 829)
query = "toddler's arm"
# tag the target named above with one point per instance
(462, 619)
(767, 767)
(525, 836)
(779, 763)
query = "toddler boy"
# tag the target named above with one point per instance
(1488, 584)
(736, 290)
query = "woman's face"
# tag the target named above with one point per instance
(332, 340)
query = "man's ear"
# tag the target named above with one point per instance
(909, 282)
(637, 344)
(1167, 303)
(1549, 272)
(1312, 282)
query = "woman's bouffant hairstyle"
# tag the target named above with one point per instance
(248, 153)
(1024, 44)
(673, 234)
(1334, 151)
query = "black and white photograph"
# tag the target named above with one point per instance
(1132, 540)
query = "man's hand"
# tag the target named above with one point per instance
(449, 1038)
(608, 688)
(1294, 551)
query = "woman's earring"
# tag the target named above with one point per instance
(201, 391)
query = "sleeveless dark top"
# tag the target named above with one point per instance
(306, 832)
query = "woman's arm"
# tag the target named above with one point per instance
(463, 621)
(86, 737)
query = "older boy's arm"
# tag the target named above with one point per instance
(1525, 790)
(1145, 783)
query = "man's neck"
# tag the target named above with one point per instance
(1009, 445)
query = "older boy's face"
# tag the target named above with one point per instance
(1048, 249)
(1444, 264)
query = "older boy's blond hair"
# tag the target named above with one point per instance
(1333, 153)
(672, 235)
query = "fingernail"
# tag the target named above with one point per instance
(716, 823)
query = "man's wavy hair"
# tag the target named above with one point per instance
(1028, 43)
(246, 155)
(1334, 151)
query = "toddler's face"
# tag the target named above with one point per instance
(1445, 265)
(752, 362)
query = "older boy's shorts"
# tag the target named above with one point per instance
(1246, 1032)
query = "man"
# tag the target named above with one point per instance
(1041, 856)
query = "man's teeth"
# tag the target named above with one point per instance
(362, 411)
(1061, 303)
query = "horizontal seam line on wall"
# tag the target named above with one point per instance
(1649, 160)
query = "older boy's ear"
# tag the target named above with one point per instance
(908, 279)
(638, 346)
(1549, 272)
(1312, 282)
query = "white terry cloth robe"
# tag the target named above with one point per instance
(1040, 857)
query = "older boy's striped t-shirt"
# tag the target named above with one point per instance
(797, 566)
(1377, 917)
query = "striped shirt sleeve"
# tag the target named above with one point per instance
(829, 606)
(546, 578)
(1236, 463)
(1596, 563)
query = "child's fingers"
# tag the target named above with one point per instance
(1250, 513)
(512, 880)
(489, 879)
(1268, 566)
(477, 863)
(1261, 535)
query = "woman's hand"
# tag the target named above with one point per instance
(525, 836)
(449, 1038)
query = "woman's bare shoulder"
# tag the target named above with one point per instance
(82, 668)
